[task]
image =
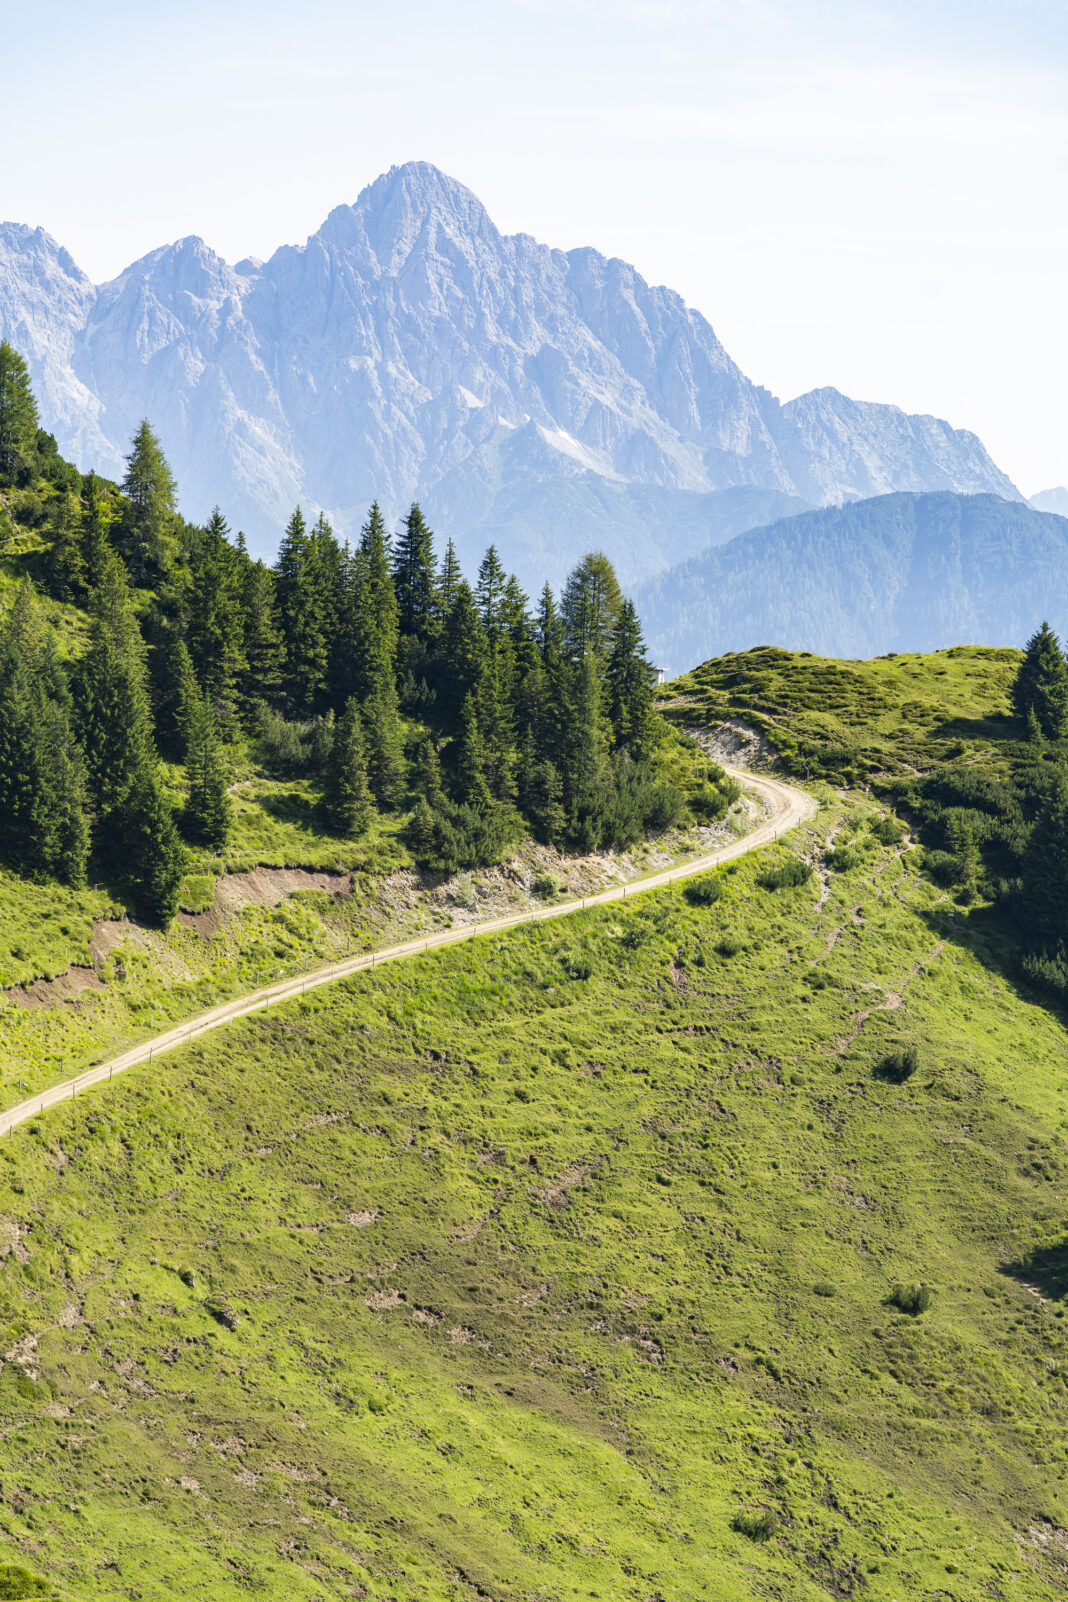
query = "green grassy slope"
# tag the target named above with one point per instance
(849, 720)
(520, 1247)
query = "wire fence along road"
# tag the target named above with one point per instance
(789, 808)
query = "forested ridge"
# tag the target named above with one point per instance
(379, 671)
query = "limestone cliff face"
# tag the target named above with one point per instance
(549, 400)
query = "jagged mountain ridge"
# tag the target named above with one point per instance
(900, 572)
(409, 349)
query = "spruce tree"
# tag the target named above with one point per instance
(262, 649)
(470, 765)
(385, 746)
(147, 532)
(449, 582)
(67, 571)
(208, 808)
(178, 696)
(496, 719)
(215, 628)
(463, 651)
(18, 414)
(43, 821)
(374, 614)
(1044, 894)
(490, 592)
(303, 616)
(154, 858)
(426, 773)
(415, 576)
(346, 798)
(112, 686)
(1041, 684)
(629, 678)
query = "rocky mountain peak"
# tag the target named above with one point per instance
(548, 400)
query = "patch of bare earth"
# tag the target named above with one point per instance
(261, 887)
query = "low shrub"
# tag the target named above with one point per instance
(729, 946)
(17, 1582)
(546, 885)
(842, 858)
(911, 1299)
(888, 831)
(823, 1288)
(704, 891)
(786, 876)
(576, 964)
(760, 1526)
(897, 1066)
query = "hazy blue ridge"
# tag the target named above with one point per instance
(901, 572)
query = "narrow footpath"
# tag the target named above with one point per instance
(789, 807)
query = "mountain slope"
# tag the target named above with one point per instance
(903, 572)
(411, 349)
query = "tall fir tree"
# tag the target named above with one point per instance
(262, 648)
(415, 576)
(178, 696)
(154, 858)
(374, 629)
(303, 617)
(147, 532)
(629, 679)
(490, 592)
(43, 822)
(208, 809)
(112, 686)
(18, 415)
(470, 763)
(1044, 887)
(346, 798)
(1041, 685)
(384, 745)
(67, 571)
(449, 581)
(215, 628)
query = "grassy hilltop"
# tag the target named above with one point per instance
(629, 1257)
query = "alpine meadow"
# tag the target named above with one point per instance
(533, 873)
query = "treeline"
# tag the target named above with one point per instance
(376, 670)
(1001, 834)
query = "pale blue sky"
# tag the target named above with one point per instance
(870, 194)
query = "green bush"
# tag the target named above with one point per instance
(823, 1288)
(888, 831)
(897, 1066)
(729, 946)
(912, 1299)
(757, 1526)
(704, 891)
(17, 1582)
(576, 964)
(842, 858)
(546, 885)
(786, 876)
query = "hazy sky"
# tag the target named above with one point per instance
(870, 195)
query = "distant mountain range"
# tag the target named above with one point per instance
(900, 572)
(551, 401)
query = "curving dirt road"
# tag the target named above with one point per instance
(789, 808)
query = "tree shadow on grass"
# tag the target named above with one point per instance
(291, 806)
(995, 943)
(1000, 727)
(1045, 1270)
